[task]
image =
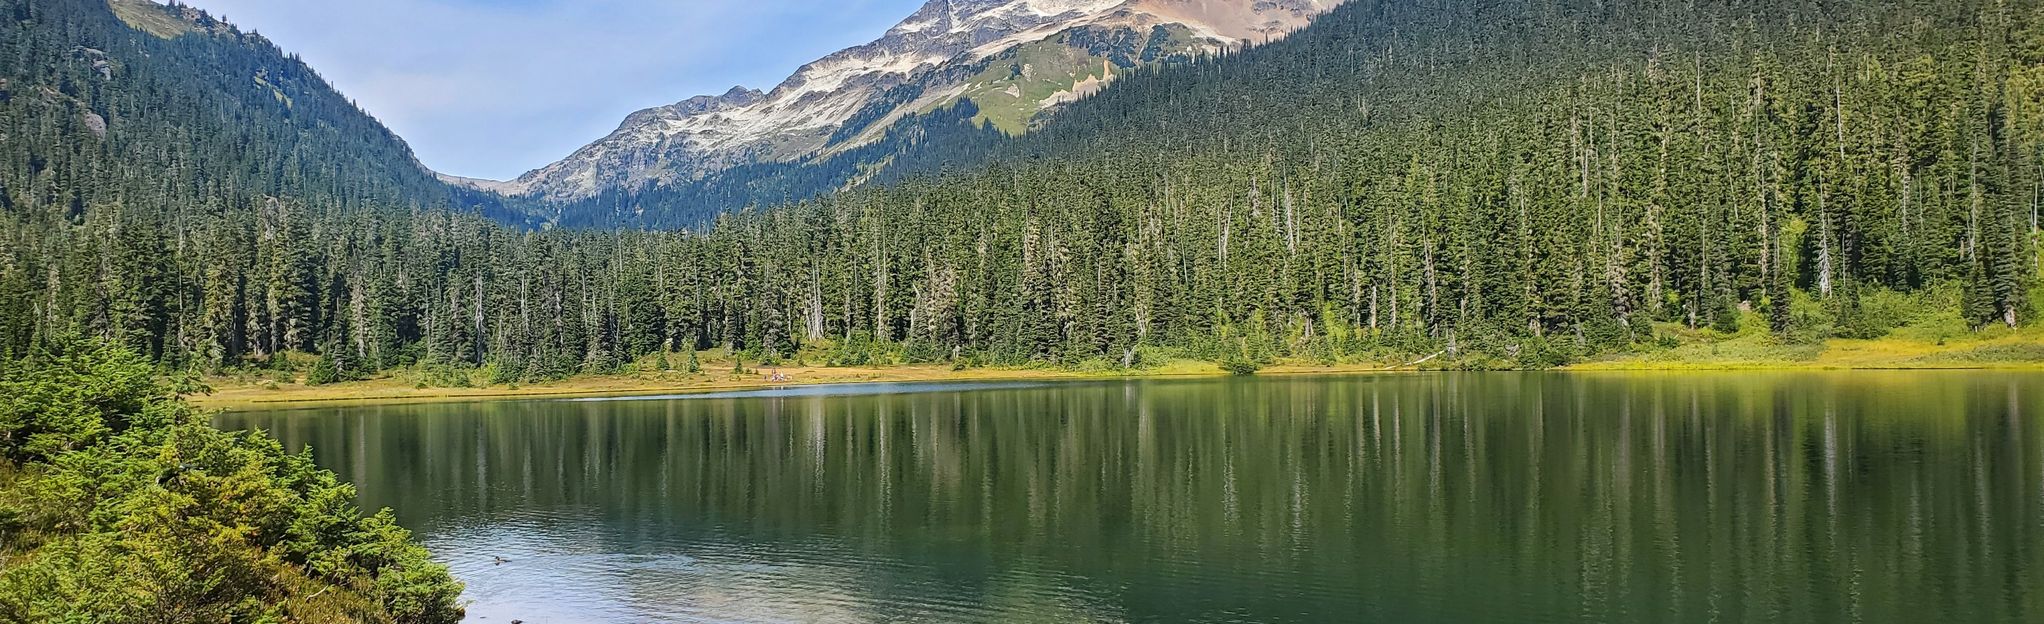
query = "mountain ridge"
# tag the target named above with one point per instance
(1064, 49)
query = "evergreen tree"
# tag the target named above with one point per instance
(1466, 183)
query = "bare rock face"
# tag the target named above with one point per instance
(1070, 47)
(94, 123)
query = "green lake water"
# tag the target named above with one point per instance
(1879, 497)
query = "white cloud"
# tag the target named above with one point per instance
(493, 88)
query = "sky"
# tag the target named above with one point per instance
(494, 88)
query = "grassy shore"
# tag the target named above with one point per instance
(1698, 350)
(1912, 347)
(246, 392)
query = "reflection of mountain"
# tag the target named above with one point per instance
(1445, 498)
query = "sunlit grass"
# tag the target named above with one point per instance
(150, 17)
(1926, 332)
(1935, 338)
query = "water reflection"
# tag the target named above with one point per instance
(849, 389)
(1833, 497)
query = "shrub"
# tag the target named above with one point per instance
(333, 366)
(1539, 353)
(118, 503)
(1726, 321)
(1241, 367)
(444, 376)
(500, 372)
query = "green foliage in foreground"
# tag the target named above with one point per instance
(118, 503)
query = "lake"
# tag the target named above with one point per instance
(1478, 497)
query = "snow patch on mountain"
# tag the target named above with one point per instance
(705, 134)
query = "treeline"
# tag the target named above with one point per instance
(1517, 183)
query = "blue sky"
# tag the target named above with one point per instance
(492, 88)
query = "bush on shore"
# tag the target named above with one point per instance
(119, 503)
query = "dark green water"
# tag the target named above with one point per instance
(1808, 497)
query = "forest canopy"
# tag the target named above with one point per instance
(1510, 183)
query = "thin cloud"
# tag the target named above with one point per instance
(492, 89)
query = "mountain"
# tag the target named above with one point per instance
(131, 93)
(134, 133)
(1012, 59)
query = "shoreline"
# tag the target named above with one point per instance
(237, 395)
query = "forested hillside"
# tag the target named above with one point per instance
(132, 155)
(1507, 183)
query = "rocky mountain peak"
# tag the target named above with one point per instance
(737, 97)
(808, 114)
